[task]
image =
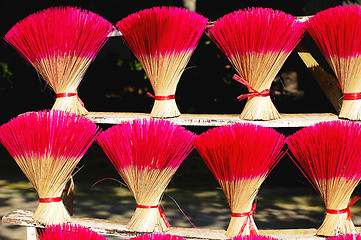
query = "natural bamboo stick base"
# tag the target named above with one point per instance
(335, 225)
(351, 109)
(236, 224)
(147, 220)
(70, 104)
(165, 109)
(259, 108)
(51, 213)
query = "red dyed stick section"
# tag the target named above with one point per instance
(68, 232)
(336, 155)
(59, 32)
(162, 31)
(146, 144)
(240, 151)
(256, 30)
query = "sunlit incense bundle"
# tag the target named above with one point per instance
(257, 42)
(163, 40)
(329, 156)
(254, 237)
(156, 236)
(337, 33)
(240, 156)
(147, 153)
(60, 43)
(346, 237)
(47, 146)
(68, 232)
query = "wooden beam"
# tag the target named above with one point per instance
(114, 228)
(213, 120)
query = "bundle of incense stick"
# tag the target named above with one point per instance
(47, 146)
(337, 33)
(156, 236)
(240, 156)
(163, 40)
(68, 232)
(147, 153)
(257, 42)
(60, 43)
(329, 156)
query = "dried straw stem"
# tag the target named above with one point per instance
(259, 70)
(147, 186)
(164, 73)
(348, 72)
(336, 193)
(241, 195)
(64, 74)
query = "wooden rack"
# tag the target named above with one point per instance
(326, 82)
(107, 227)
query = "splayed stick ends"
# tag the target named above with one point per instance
(257, 42)
(337, 33)
(329, 156)
(240, 156)
(147, 153)
(68, 232)
(60, 43)
(47, 146)
(163, 40)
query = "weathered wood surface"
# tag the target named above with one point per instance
(108, 227)
(286, 120)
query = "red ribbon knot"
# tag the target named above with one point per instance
(251, 94)
(252, 228)
(345, 210)
(50, 200)
(161, 212)
(162, 98)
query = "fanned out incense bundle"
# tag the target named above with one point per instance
(329, 156)
(346, 237)
(257, 42)
(163, 40)
(47, 146)
(69, 232)
(156, 236)
(60, 43)
(337, 32)
(147, 153)
(240, 156)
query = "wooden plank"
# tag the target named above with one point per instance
(213, 120)
(114, 228)
(325, 80)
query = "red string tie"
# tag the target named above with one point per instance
(72, 94)
(161, 212)
(345, 210)
(252, 227)
(162, 98)
(50, 200)
(253, 92)
(349, 96)
(352, 96)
